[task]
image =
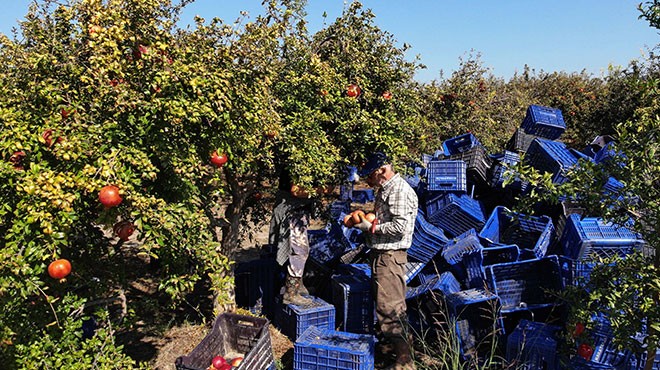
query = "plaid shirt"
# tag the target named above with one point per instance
(396, 209)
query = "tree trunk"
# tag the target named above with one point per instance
(231, 233)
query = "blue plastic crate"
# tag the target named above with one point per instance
(637, 361)
(592, 236)
(605, 153)
(520, 141)
(475, 313)
(533, 345)
(356, 269)
(533, 233)
(551, 156)
(354, 304)
(612, 186)
(446, 175)
(580, 155)
(455, 214)
(444, 283)
(325, 246)
(576, 272)
(496, 253)
(422, 301)
(459, 144)
(255, 285)
(472, 265)
(466, 243)
(340, 206)
(362, 195)
(426, 158)
(323, 349)
(427, 241)
(477, 164)
(525, 285)
(293, 320)
(501, 162)
(411, 269)
(605, 353)
(544, 121)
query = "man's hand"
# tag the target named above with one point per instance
(363, 225)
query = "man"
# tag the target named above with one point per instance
(390, 236)
(288, 231)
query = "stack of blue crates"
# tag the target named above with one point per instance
(533, 345)
(327, 349)
(533, 233)
(551, 156)
(427, 241)
(293, 320)
(465, 254)
(544, 121)
(455, 213)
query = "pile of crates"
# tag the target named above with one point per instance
(490, 273)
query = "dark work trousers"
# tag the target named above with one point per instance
(388, 287)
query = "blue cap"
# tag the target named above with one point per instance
(374, 162)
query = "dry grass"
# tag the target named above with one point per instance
(178, 341)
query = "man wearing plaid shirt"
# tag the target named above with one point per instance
(390, 236)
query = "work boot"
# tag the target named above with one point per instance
(292, 292)
(403, 352)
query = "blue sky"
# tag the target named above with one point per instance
(557, 35)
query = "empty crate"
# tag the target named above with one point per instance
(460, 144)
(520, 141)
(446, 175)
(551, 156)
(351, 295)
(527, 232)
(324, 349)
(427, 241)
(477, 164)
(256, 283)
(533, 345)
(292, 320)
(455, 214)
(590, 235)
(475, 313)
(544, 121)
(525, 284)
(232, 334)
(362, 195)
